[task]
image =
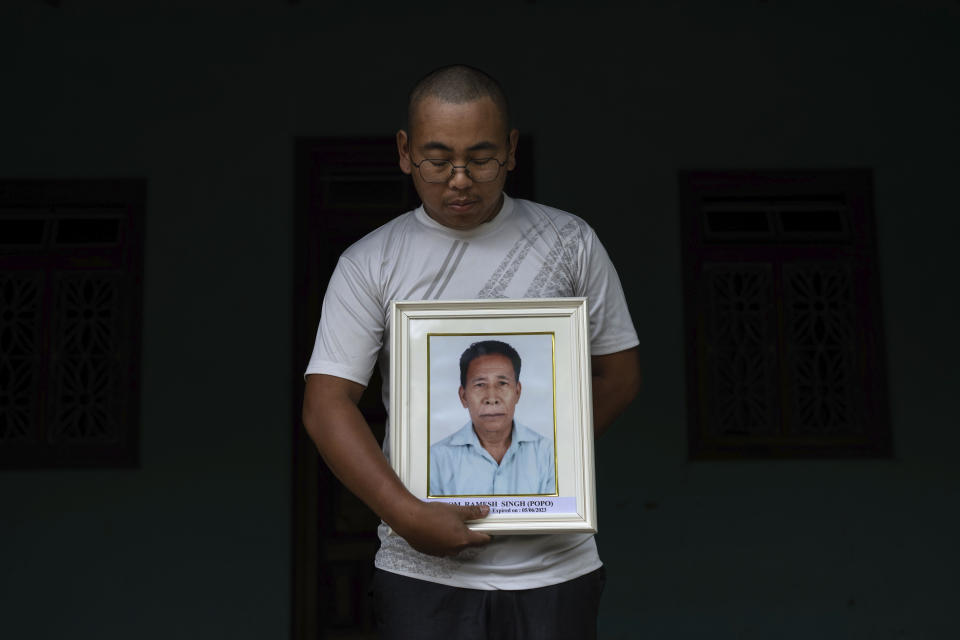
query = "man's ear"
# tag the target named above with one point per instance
(518, 389)
(512, 151)
(403, 151)
(463, 397)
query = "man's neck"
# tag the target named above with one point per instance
(496, 443)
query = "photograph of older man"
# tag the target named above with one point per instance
(492, 454)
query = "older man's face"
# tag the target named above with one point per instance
(491, 393)
(458, 133)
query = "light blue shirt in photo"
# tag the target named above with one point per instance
(460, 466)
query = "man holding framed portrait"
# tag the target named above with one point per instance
(436, 578)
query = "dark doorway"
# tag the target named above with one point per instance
(345, 188)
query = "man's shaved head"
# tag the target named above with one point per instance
(458, 84)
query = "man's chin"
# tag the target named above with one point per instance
(493, 424)
(460, 220)
(461, 208)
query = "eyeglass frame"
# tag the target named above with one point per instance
(454, 167)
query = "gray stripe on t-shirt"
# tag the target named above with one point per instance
(507, 269)
(443, 267)
(453, 268)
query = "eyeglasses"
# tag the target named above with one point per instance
(482, 170)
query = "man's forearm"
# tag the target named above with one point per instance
(615, 380)
(350, 450)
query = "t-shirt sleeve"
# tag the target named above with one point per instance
(351, 329)
(611, 327)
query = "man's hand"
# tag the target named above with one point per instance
(439, 529)
(345, 441)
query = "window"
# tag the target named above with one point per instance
(71, 269)
(782, 306)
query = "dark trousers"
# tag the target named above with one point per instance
(410, 609)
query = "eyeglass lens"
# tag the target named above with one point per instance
(442, 170)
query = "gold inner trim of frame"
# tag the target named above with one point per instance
(553, 373)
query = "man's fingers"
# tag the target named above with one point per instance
(478, 539)
(441, 529)
(473, 511)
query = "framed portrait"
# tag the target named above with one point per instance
(490, 403)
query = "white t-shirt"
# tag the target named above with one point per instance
(527, 251)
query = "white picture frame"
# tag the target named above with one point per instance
(551, 336)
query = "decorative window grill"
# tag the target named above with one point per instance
(783, 329)
(71, 269)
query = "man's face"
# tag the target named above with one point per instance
(491, 393)
(458, 133)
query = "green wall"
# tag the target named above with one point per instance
(205, 104)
